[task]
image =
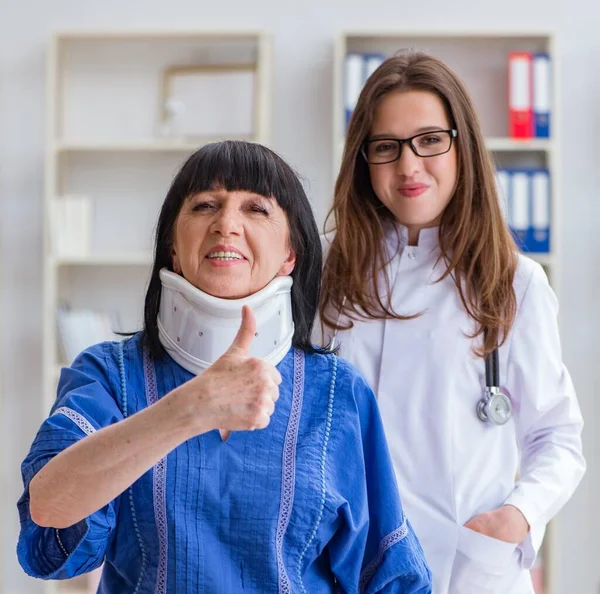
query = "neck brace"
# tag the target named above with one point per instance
(196, 328)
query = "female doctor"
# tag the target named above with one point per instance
(426, 293)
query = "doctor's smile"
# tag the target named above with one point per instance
(413, 190)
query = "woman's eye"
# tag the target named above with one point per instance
(430, 139)
(257, 208)
(385, 147)
(200, 206)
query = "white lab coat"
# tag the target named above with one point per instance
(450, 466)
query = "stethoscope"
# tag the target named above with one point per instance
(495, 406)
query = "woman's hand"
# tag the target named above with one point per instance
(506, 523)
(237, 392)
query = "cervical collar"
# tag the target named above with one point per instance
(196, 328)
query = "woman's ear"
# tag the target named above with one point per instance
(175, 261)
(288, 266)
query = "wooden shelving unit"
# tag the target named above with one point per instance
(480, 58)
(105, 141)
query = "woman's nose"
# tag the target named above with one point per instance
(227, 222)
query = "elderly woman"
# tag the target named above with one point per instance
(217, 451)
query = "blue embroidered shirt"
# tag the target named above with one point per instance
(308, 505)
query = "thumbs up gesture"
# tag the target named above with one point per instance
(237, 392)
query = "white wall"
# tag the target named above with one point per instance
(303, 43)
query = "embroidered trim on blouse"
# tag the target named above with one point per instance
(390, 540)
(332, 358)
(77, 418)
(138, 534)
(60, 544)
(159, 477)
(288, 472)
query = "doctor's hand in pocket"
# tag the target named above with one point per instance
(506, 523)
(484, 562)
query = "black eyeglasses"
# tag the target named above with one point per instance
(426, 144)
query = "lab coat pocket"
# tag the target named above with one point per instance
(483, 565)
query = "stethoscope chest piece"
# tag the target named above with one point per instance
(495, 407)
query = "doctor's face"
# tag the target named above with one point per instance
(231, 244)
(415, 189)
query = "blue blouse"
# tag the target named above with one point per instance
(309, 504)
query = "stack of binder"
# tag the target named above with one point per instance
(530, 93)
(525, 201)
(357, 69)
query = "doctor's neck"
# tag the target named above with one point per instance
(415, 230)
(413, 235)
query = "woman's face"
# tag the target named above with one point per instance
(415, 189)
(231, 244)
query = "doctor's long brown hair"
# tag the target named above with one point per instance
(474, 240)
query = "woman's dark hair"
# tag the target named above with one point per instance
(242, 166)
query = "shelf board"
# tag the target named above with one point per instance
(516, 145)
(449, 34)
(116, 259)
(150, 34)
(140, 146)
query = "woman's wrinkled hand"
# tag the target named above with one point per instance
(237, 392)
